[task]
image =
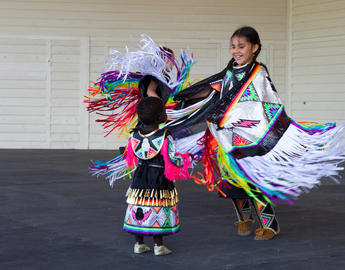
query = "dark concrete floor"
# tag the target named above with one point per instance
(54, 215)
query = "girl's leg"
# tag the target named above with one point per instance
(158, 239)
(159, 248)
(243, 209)
(269, 226)
(244, 215)
(139, 246)
(139, 239)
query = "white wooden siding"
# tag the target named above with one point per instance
(55, 47)
(65, 119)
(318, 60)
(24, 110)
(41, 92)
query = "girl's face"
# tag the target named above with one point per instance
(169, 63)
(242, 50)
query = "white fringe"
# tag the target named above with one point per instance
(113, 172)
(189, 144)
(298, 161)
(148, 60)
(176, 115)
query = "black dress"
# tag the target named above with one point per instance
(152, 198)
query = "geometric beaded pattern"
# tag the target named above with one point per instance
(267, 216)
(227, 77)
(237, 140)
(147, 147)
(240, 76)
(151, 220)
(243, 209)
(270, 110)
(174, 159)
(217, 85)
(249, 94)
(157, 142)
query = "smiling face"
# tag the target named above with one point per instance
(242, 50)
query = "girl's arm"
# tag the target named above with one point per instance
(149, 86)
(200, 89)
(202, 94)
(152, 89)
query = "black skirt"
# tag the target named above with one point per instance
(150, 175)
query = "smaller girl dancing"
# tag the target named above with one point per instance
(152, 198)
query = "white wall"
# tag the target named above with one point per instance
(49, 49)
(42, 81)
(318, 60)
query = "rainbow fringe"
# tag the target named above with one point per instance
(115, 96)
(115, 100)
(171, 171)
(183, 76)
(313, 127)
(113, 169)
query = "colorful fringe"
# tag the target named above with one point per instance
(233, 174)
(152, 197)
(171, 171)
(176, 117)
(306, 152)
(115, 95)
(212, 175)
(131, 158)
(314, 127)
(113, 169)
(183, 76)
(115, 100)
(295, 165)
(117, 168)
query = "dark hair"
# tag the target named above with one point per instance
(151, 111)
(251, 35)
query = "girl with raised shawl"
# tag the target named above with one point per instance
(263, 156)
(233, 121)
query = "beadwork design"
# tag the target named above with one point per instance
(151, 220)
